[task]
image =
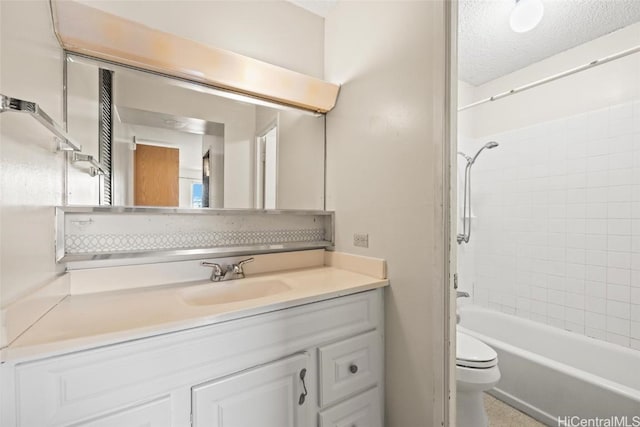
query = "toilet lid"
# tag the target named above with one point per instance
(473, 353)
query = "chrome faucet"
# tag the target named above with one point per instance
(221, 273)
(217, 273)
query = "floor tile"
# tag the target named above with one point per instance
(502, 415)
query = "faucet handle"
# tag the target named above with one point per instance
(462, 294)
(217, 272)
(238, 268)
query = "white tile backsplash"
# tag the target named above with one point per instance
(557, 233)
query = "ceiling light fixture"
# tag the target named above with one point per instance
(526, 15)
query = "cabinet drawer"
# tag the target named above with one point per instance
(360, 411)
(349, 366)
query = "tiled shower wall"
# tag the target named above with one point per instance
(556, 224)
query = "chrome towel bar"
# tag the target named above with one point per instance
(14, 104)
(95, 169)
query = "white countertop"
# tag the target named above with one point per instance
(81, 322)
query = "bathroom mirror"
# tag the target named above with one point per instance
(173, 143)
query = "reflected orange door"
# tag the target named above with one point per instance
(155, 176)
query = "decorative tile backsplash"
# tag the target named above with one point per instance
(105, 233)
(556, 224)
(99, 243)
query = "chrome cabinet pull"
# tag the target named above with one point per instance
(303, 396)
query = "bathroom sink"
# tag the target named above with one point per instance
(233, 291)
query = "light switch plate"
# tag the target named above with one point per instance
(361, 240)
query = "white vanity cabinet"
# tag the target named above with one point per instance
(238, 373)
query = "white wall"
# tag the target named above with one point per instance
(385, 178)
(82, 122)
(215, 145)
(270, 168)
(300, 161)
(466, 95)
(276, 32)
(31, 172)
(300, 154)
(266, 119)
(122, 164)
(556, 236)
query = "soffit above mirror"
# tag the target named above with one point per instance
(88, 31)
(153, 119)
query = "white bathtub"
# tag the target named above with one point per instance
(548, 372)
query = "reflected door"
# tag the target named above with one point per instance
(156, 176)
(267, 169)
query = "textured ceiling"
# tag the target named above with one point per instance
(489, 49)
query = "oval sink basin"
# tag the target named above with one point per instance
(233, 291)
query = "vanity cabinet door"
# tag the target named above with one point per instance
(266, 396)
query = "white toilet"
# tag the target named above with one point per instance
(476, 371)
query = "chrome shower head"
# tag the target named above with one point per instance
(489, 145)
(466, 216)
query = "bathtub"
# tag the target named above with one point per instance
(550, 373)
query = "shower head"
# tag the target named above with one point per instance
(489, 145)
(466, 216)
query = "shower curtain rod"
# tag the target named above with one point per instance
(569, 72)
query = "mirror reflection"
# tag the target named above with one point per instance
(174, 160)
(167, 142)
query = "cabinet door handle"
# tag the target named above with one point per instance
(353, 368)
(303, 374)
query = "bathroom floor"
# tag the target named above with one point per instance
(502, 415)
